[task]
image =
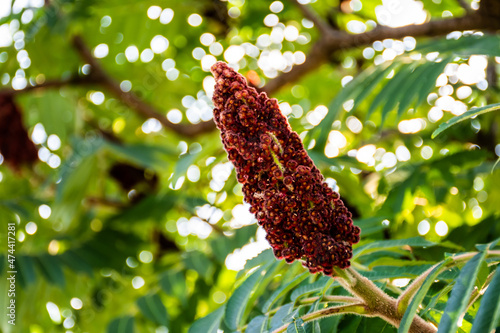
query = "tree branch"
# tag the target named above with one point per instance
(336, 40)
(51, 84)
(132, 100)
(308, 13)
(465, 6)
(331, 299)
(358, 308)
(99, 76)
(330, 41)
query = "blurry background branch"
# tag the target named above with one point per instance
(332, 40)
(98, 75)
(132, 100)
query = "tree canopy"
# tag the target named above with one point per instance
(126, 214)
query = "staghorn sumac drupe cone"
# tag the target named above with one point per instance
(303, 217)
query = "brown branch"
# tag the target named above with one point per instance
(491, 74)
(99, 76)
(308, 13)
(215, 227)
(51, 84)
(132, 100)
(330, 41)
(378, 303)
(97, 201)
(339, 40)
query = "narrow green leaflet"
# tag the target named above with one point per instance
(153, 309)
(330, 324)
(73, 188)
(375, 246)
(467, 115)
(76, 262)
(297, 326)
(50, 267)
(209, 323)
(357, 89)
(417, 299)
(311, 287)
(488, 315)
(406, 94)
(431, 73)
(464, 46)
(223, 246)
(370, 225)
(122, 325)
(386, 272)
(257, 325)
(147, 156)
(285, 288)
(153, 207)
(460, 294)
(388, 94)
(237, 303)
(182, 165)
(263, 257)
(174, 284)
(199, 262)
(284, 315)
(25, 266)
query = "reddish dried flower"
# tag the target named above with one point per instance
(304, 218)
(15, 144)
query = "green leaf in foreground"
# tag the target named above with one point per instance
(237, 303)
(209, 323)
(411, 310)
(467, 115)
(378, 245)
(460, 294)
(310, 287)
(488, 315)
(257, 325)
(152, 308)
(122, 325)
(283, 290)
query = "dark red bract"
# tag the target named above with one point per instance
(303, 217)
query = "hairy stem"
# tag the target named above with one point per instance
(371, 301)
(379, 303)
(405, 298)
(331, 299)
(358, 308)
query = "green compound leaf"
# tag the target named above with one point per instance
(122, 325)
(417, 299)
(209, 323)
(467, 115)
(50, 266)
(237, 303)
(25, 266)
(379, 245)
(310, 288)
(460, 295)
(283, 290)
(153, 309)
(488, 315)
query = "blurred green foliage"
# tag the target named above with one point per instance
(145, 249)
